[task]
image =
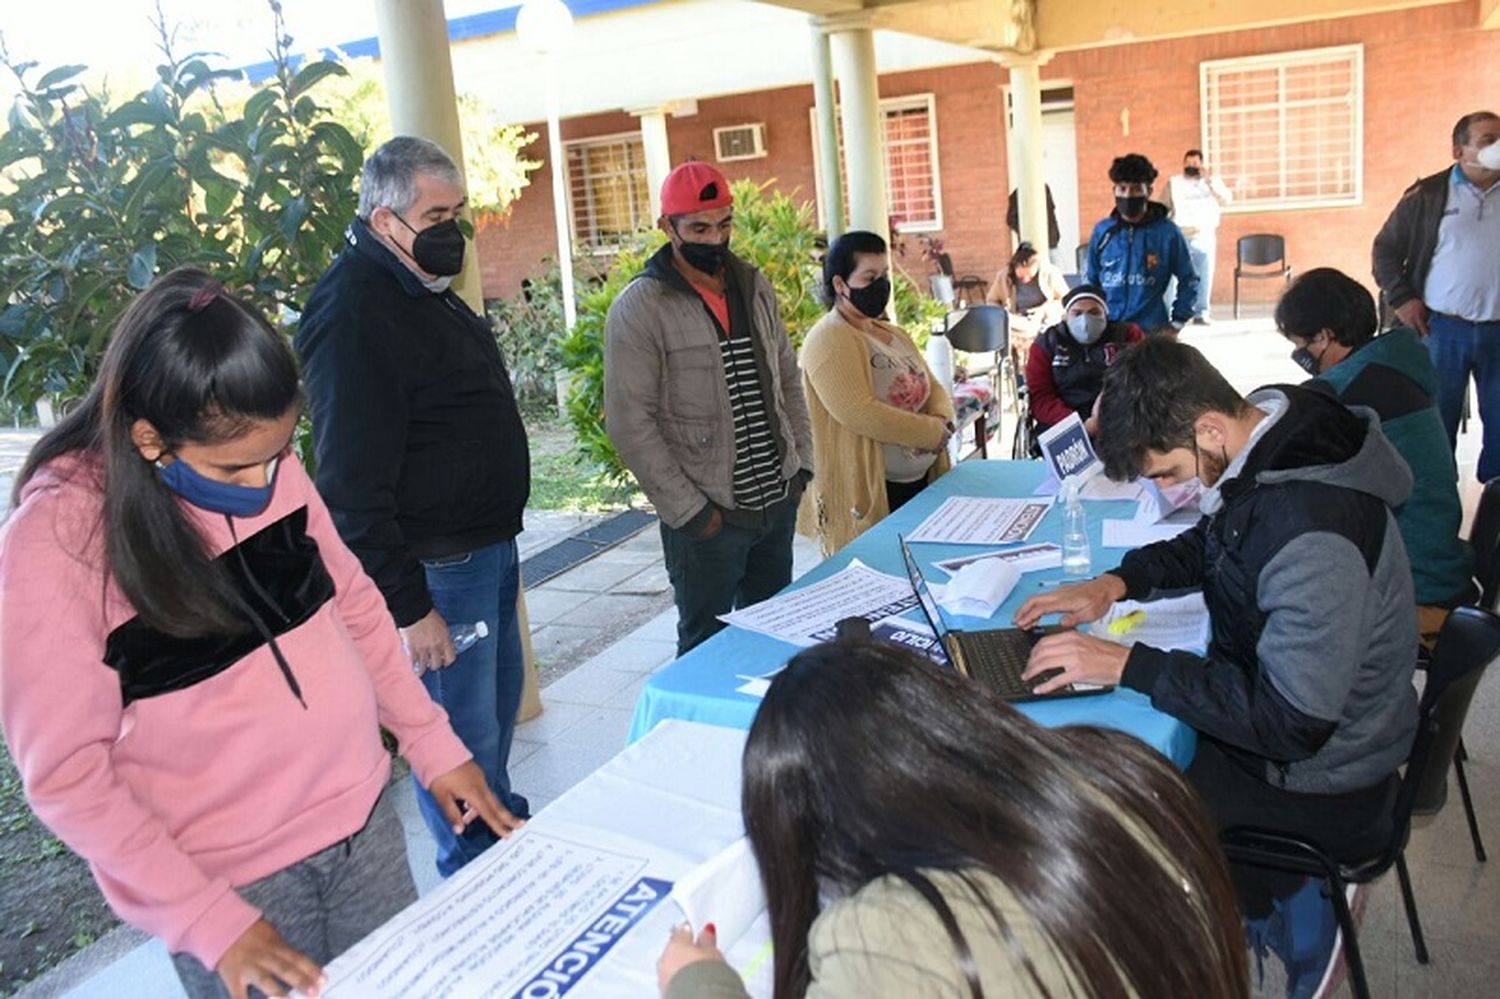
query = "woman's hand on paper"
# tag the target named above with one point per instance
(683, 950)
(1081, 658)
(1077, 604)
(260, 957)
(464, 795)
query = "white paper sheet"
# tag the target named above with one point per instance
(973, 520)
(802, 616)
(724, 890)
(1135, 533)
(1172, 623)
(1032, 558)
(545, 907)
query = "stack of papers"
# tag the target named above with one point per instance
(811, 614)
(977, 589)
(1171, 623)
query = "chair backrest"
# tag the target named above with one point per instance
(1468, 643)
(979, 328)
(1081, 258)
(1484, 539)
(945, 264)
(1261, 249)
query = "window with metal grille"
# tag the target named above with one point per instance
(1285, 130)
(912, 190)
(607, 192)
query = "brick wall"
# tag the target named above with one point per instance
(1423, 69)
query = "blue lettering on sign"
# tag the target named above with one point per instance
(559, 975)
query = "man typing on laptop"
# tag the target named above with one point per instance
(1303, 703)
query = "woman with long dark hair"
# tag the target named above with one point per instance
(916, 835)
(880, 420)
(194, 670)
(1031, 289)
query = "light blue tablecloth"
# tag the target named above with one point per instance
(701, 685)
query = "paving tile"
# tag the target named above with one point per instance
(1456, 971)
(663, 627)
(554, 643)
(651, 579)
(556, 718)
(559, 767)
(545, 604)
(594, 576)
(636, 654)
(603, 729)
(627, 696)
(588, 684)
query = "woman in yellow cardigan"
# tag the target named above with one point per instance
(880, 420)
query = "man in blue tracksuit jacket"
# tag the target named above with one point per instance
(1136, 250)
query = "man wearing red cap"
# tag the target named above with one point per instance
(703, 401)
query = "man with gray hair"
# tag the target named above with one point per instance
(422, 457)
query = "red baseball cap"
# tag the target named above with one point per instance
(694, 186)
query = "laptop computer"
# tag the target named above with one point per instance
(995, 657)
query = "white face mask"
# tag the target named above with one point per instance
(1489, 156)
(1086, 327)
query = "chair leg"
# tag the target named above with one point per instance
(1352, 957)
(1463, 791)
(1413, 921)
(1236, 296)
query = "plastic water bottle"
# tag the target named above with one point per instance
(940, 355)
(464, 637)
(1077, 558)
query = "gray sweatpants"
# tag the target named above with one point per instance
(327, 903)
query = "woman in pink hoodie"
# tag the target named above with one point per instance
(194, 670)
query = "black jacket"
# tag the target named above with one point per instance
(421, 450)
(1307, 680)
(1403, 248)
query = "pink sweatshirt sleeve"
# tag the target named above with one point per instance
(419, 725)
(61, 710)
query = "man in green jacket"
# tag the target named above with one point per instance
(1330, 319)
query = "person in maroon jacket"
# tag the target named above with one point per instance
(1065, 369)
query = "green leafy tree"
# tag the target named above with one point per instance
(97, 197)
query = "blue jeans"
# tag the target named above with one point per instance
(737, 567)
(1201, 253)
(1460, 348)
(481, 690)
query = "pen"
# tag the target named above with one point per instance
(1045, 583)
(1125, 625)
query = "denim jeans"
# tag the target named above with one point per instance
(737, 567)
(1460, 348)
(1201, 253)
(481, 690)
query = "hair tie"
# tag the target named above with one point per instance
(205, 295)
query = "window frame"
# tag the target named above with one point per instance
(905, 102)
(1208, 118)
(580, 244)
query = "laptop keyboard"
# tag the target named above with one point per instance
(999, 664)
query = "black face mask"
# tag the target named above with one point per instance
(1191, 171)
(872, 298)
(1130, 207)
(705, 257)
(1305, 360)
(438, 249)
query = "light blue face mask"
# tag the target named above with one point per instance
(228, 498)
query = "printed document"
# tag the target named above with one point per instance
(974, 520)
(802, 616)
(1032, 558)
(1171, 623)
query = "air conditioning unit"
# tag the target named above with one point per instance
(740, 142)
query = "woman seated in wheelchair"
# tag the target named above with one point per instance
(1032, 290)
(1065, 369)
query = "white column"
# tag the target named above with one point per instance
(1027, 175)
(419, 88)
(658, 154)
(557, 155)
(853, 43)
(826, 110)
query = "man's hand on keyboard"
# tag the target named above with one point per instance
(1082, 659)
(1077, 604)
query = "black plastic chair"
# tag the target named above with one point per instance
(970, 289)
(1259, 256)
(985, 329)
(1469, 642)
(1484, 539)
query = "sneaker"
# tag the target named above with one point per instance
(1202, 321)
(1304, 933)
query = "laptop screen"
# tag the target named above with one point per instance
(924, 595)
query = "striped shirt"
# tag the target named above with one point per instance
(757, 463)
